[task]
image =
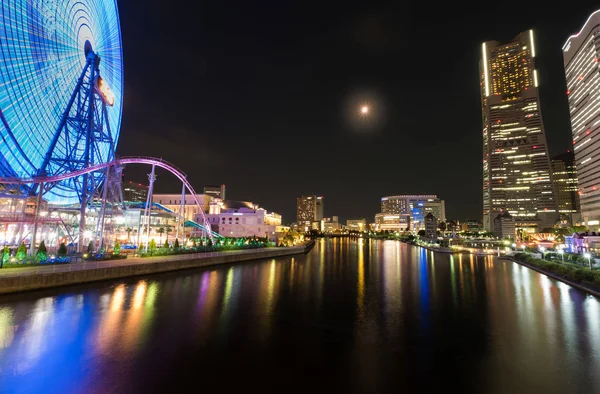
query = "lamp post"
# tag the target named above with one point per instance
(589, 257)
(562, 254)
(543, 250)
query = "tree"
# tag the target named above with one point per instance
(128, 230)
(42, 253)
(90, 247)
(21, 252)
(152, 246)
(176, 244)
(62, 249)
(168, 230)
(166, 245)
(442, 226)
(209, 243)
(117, 248)
(421, 233)
(161, 231)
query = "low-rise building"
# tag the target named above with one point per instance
(583, 242)
(392, 222)
(356, 224)
(332, 224)
(431, 225)
(242, 220)
(504, 225)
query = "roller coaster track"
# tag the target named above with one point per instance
(120, 161)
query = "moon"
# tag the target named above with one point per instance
(364, 110)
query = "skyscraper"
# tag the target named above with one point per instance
(309, 209)
(516, 167)
(564, 176)
(580, 54)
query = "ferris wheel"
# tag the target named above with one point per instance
(61, 92)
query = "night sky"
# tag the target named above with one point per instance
(264, 96)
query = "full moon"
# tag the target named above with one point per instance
(364, 110)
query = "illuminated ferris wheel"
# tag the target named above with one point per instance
(61, 92)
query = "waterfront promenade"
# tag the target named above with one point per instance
(32, 278)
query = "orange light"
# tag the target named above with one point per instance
(107, 95)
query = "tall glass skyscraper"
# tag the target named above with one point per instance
(581, 53)
(516, 167)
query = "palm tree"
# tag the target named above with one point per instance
(161, 231)
(169, 230)
(128, 230)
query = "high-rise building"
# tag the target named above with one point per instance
(216, 191)
(564, 176)
(320, 208)
(581, 53)
(516, 166)
(134, 192)
(431, 225)
(309, 209)
(416, 207)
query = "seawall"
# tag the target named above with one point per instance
(70, 274)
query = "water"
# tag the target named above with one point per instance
(351, 316)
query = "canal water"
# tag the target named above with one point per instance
(350, 316)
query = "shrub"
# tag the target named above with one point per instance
(176, 244)
(166, 245)
(117, 248)
(21, 252)
(62, 249)
(152, 246)
(42, 253)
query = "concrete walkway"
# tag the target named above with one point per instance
(90, 265)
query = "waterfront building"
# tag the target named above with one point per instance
(392, 222)
(472, 225)
(215, 191)
(134, 192)
(416, 206)
(504, 225)
(188, 205)
(564, 176)
(431, 226)
(356, 224)
(582, 242)
(580, 54)
(516, 167)
(243, 220)
(308, 210)
(332, 224)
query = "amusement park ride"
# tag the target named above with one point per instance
(61, 100)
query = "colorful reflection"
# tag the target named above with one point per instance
(362, 304)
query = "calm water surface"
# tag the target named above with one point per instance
(351, 316)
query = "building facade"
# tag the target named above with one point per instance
(415, 206)
(188, 205)
(332, 224)
(431, 225)
(309, 209)
(134, 192)
(215, 191)
(241, 221)
(516, 166)
(356, 224)
(581, 53)
(504, 225)
(564, 176)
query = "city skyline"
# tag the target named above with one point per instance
(223, 131)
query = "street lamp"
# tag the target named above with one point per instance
(589, 257)
(542, 249)
(562, 254)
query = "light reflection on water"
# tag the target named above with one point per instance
(363, 314)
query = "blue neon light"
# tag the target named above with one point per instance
(41, 57)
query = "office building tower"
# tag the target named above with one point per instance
(564, 176)
(409, 209)
(309, 209)
(516, 166)
(134, 192)
(581, 53)
(216, 191)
